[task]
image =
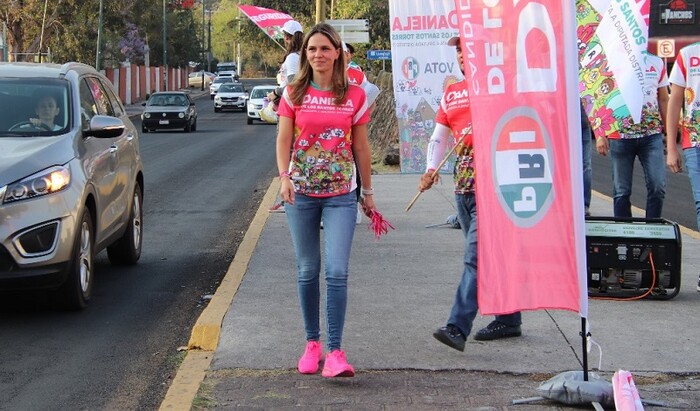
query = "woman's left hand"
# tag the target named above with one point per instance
(367, 204)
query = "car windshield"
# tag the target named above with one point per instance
(231, 88)
(165, 99)
(226, 67)
(223, 80)
(260, 92)
(34, 107)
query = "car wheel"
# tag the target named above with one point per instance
(188, 127)
(194, 125)
(212, 97)
(127, 249)
(76, 291)
(144, 129)
(216, 109)
(250, 120)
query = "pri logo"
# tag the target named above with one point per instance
(522, 166)
(410, 68)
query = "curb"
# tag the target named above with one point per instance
(205, 334)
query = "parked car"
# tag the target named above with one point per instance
(169, 110)
(71, 179)
(218, 81)
(256, 101)
(195, 79)
(230, 95)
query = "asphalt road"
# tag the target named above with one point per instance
(201, 192)
(679, 205)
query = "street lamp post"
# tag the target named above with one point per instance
(165, 49)
(98, 55)
(203, 39)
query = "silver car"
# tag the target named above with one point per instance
(71, 179)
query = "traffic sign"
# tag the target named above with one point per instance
(355, 37)
(666, 48)
(352, 31)
(349, 25)
(378, 54)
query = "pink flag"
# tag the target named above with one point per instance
(521, 64)
(270, 21)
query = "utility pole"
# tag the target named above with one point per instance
(209, 44)
(165, 49)
(204, 6)
(5, 46)
(43, 24)
(98, 55)
(320, 11)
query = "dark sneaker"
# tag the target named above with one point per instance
(497, 330)
(698, 283)
(450, 336)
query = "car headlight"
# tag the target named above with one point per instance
(48, 181)
(181, 114)
(217, 99)
(146, 115)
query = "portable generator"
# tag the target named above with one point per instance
(633, 257)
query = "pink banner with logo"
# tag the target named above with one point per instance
(521, 64)
(270, 21)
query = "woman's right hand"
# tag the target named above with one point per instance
(287, 190)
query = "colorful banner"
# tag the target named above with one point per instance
(270, 21)
(423, 66)
(522, 72)
(612, 35)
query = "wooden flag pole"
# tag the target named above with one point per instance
(435, 172)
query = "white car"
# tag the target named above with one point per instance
(230, 95)
(256, 101)
(218, 81)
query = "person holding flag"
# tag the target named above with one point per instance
(685, 95)
(454, 116)
(293, 39)
(643, 140)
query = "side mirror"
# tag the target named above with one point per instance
(105, 127)
(143, 104)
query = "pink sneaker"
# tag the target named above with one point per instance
(336, 365)
(308, 363)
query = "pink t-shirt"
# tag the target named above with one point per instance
(686, 74)
(322, 163)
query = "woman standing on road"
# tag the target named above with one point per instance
(293, 39)
(324, 120)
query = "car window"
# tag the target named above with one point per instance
(34, 106)
(260, 93)
(104, 106)
(116, 103)
(88, 107)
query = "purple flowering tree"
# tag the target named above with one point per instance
(132, 46)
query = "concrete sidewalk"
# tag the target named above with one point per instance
(400, 290)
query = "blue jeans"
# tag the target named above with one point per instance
(586, 140)
(650, 151)
(465, 305)
(692, 163)
(338, 214)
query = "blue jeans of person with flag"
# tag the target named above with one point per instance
(650, 150)
(338, 214)
(465, 306)
(692, 164)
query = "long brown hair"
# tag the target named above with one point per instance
(339, 78)
(295, 45)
